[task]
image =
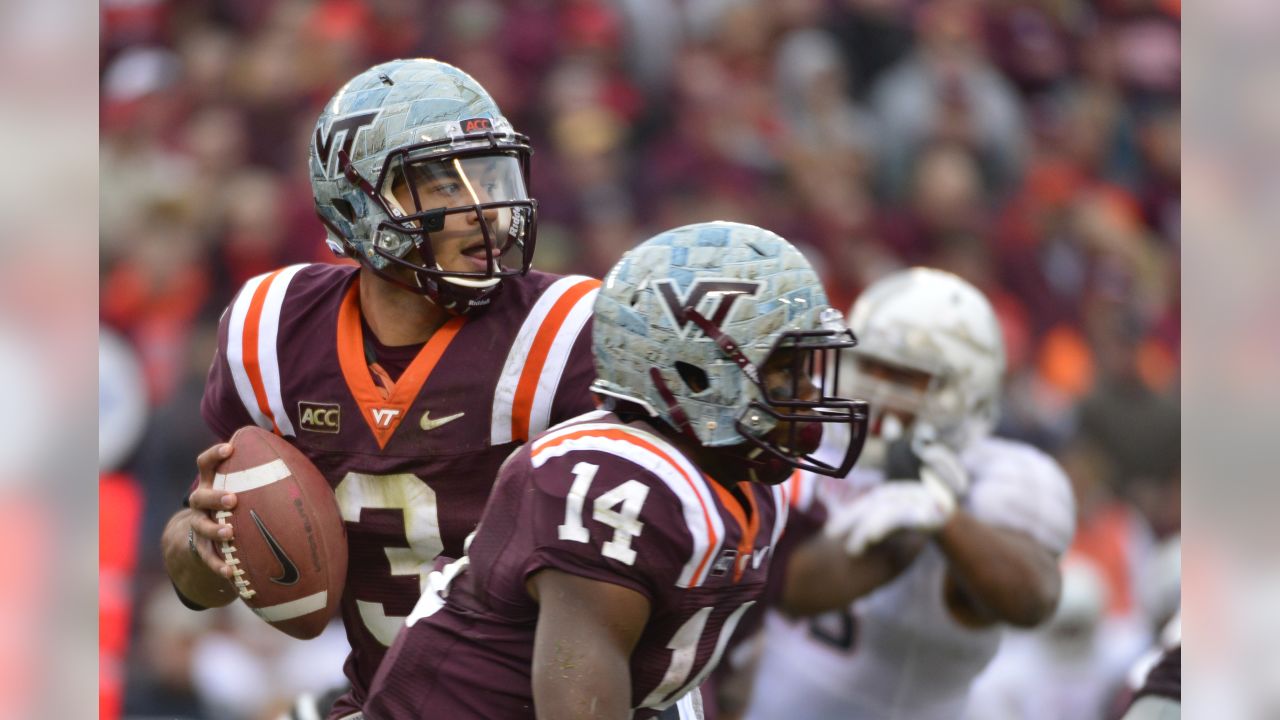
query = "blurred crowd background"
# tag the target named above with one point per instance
(1031, 146)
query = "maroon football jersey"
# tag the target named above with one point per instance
(599, 499)
(412, 462)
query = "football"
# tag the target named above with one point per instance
(289, 552)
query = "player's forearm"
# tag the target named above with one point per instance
(581, 689)
(1006, 573)
(193, 578)
(821, 576)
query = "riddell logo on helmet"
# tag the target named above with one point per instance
(723, 292)
(476, 125)
(349, 126)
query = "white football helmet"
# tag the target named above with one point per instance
(932, 322)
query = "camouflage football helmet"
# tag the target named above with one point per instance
(405, 123)
(685, 322)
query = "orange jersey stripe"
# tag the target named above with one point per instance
(522, 404)
(641, 442)
(750, 525)
(250, 347)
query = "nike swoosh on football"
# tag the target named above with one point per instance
(290, 574)
(428, 424)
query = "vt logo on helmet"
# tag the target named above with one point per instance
(722, 332)
(345, 127)
(416, 174)
(722, 291)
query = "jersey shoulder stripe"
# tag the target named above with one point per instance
(662, 460)
(526, 388)
(801, 487)
(782, 499)
(252, 348)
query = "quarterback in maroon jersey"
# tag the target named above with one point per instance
(406, 380)
(620, 550)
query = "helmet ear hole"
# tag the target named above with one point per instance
(344, 209)
(693, 376)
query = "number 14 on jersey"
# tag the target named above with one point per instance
(625, 522)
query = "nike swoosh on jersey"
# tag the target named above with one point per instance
(428, 424)
(290, 574)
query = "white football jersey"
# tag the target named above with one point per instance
(898, 654)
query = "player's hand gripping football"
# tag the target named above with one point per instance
(925, 482)
(205, 533)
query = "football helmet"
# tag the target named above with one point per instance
(685, 322)
(931, 322)
(408, 124)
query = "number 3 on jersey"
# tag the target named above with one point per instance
(625, 522)
(407, 493)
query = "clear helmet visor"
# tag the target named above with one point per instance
(467, 216)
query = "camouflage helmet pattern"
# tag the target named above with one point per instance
(419, 108)
(752, 283)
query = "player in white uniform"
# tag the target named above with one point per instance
(989, 516)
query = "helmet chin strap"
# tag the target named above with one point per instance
(735, 461)
(475, 283)
(678, 416)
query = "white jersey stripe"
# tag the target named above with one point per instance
(580, 421)
(504, 393)
(781, 501)
(553, 368)
(689, 707)
(268, 357)
(803, 485)
(235, 351)
(701, 514)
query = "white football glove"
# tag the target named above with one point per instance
(887, 508)
(939, 463)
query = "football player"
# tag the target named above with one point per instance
(409, 378)
(619, 551)
(997, 515)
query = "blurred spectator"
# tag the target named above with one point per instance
(944, 205)
(946, 90)
(1131, 414)
(873, 35)
(155, 292)
(160, 682)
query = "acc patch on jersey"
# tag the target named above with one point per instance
(320, 417)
